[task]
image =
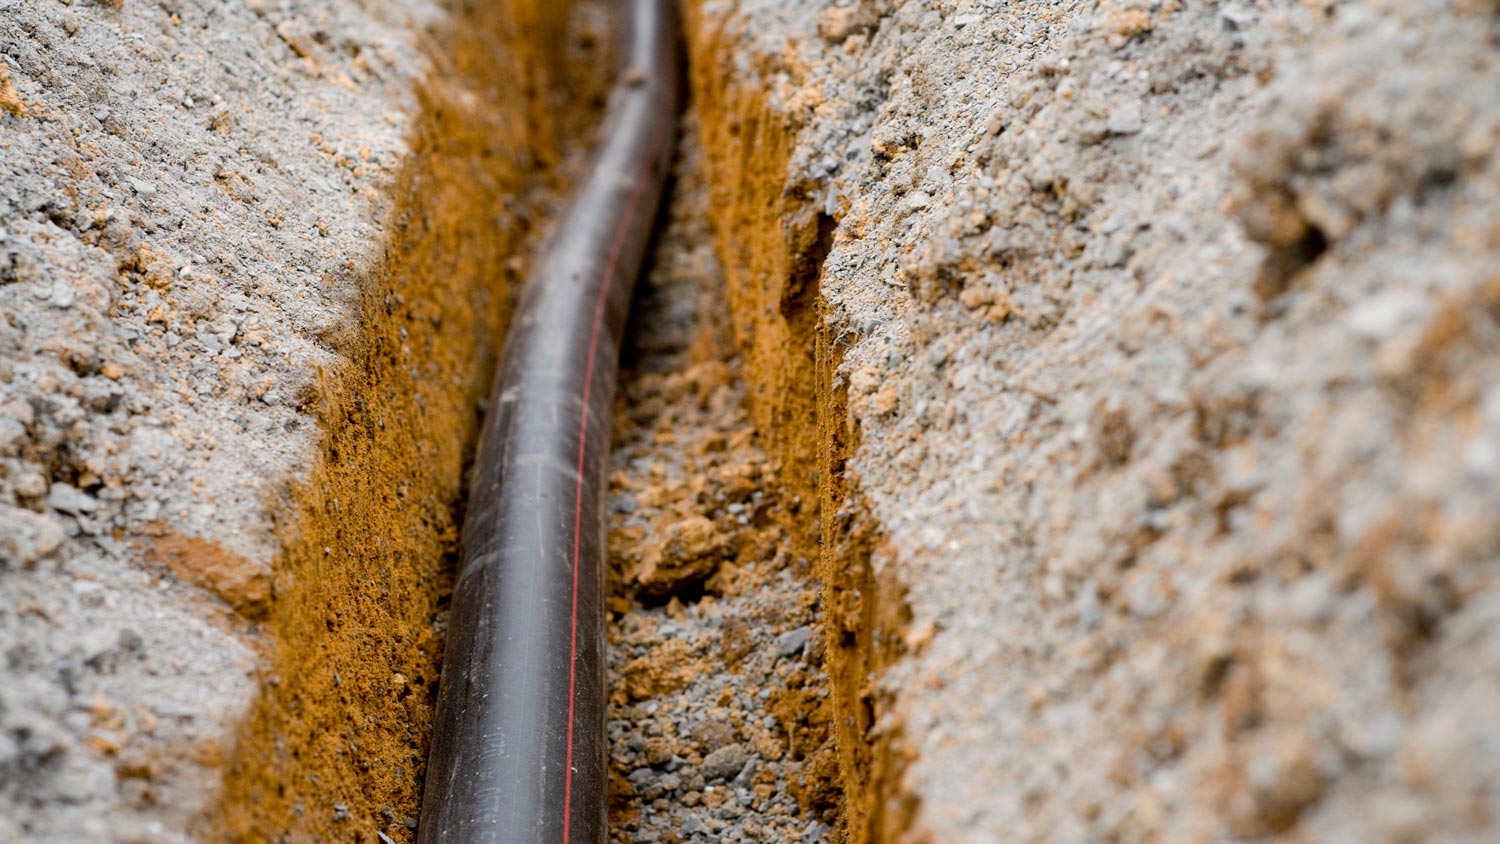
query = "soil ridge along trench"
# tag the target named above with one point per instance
(336, 745)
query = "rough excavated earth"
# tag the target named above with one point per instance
(240, 365)
(183, 189)
(1046, 421)
(719, 711)
(1171, 340)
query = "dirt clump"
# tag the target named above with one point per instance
(10, 101)
(233, 578)
(688, 552)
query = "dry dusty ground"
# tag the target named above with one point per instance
(1072, 421)
(184, 188)
(255, 261)
(1170, 337)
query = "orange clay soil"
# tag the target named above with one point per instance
(772, 239)
(336, 745)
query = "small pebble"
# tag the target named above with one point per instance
(724, 762)
(1126, 120)
(70, 500)
(793, 641)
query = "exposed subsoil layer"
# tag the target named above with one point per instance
(719, 712)
(337, 743)
(221, 223)
(1167, 337)
(775, 235)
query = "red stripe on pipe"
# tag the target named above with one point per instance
(492, 773)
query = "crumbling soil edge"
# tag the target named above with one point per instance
(335, 746)
(772, 237)
(868, 619)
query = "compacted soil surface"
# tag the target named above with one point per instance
(1041, 421)
(184, 191)
(1168, 334)
(255, 264)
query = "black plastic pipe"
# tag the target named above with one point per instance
(519, 747)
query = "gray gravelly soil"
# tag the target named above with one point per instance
(719, 714)
(186, 190)
(1175, 347)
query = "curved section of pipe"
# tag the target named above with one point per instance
(519, 747)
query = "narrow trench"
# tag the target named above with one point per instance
(335, 745)
(720, 716)
(720, 713)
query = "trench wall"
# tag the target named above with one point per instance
(773, 236)
(336, 745)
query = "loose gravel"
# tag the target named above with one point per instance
(719, 712)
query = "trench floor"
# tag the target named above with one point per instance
(719, 712)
